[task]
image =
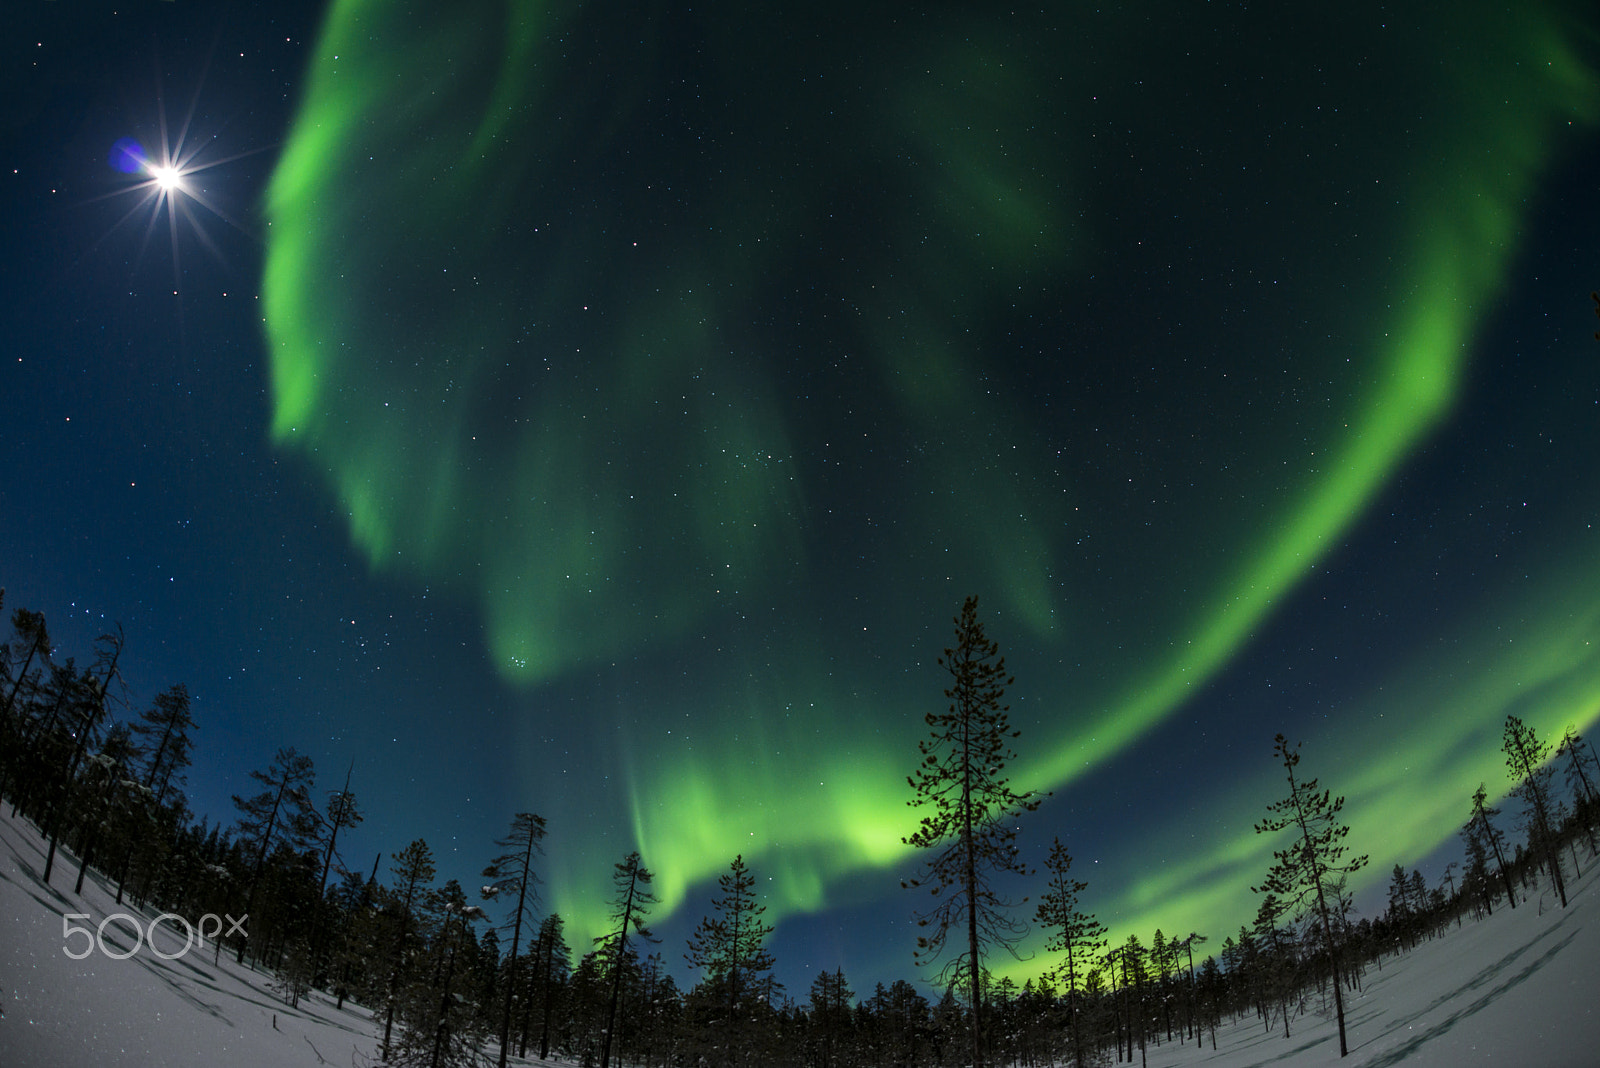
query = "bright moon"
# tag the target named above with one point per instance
(167, 178)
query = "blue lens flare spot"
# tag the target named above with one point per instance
(128, 156)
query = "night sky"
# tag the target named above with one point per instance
(602, 411)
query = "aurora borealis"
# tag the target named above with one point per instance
(632, 397)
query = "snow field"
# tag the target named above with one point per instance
(191, 1011)
(1518, 990)
(1521, 989)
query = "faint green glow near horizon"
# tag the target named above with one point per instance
(1407, 780)
(607, 484)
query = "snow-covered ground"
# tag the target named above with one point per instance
(1520, 989)
(142, 1012)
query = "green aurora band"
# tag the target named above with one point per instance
(673, 347)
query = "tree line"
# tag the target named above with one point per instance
(458, 976)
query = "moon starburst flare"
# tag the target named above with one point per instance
(166, 184)
(170, 179)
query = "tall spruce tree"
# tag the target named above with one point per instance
(1187, 945)
(1133, 962)
(1276, 970)
(413, 871)
(1078, 936)
(281, 812)
(659, 1013)
(903, 1017)
(108, 795)
(89, 711)
(1399, 914)
(972, 826)
(1475, 879)
(1421, 906)
(1572, 747)
(731, 950)
(18, 677)
(1304, 874)
(1481, 827)
(440, 1025)
(165, 731)
(1525, 761)
(551, 968)
(513, 875)
(31, 634)
(628, 910)
(342, 813)
(831, 1015)
(1163, 962)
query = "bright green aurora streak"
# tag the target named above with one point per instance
(734, 348)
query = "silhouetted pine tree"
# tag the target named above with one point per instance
(972, 825)
(44, 722)
(1475, 880)
(1447, 897)
(295, 972)
(1276, 969)
(342, 813)
(163, 742)
(730, 949)
(106, 796)
(1572, 747)
(513, 875)
(658, 1014)
(1422, 911)
(831, 1015)
(30, 644)
(165, 731)
(413, 871)
(1163, 962)
(1211, 994)
(1078, 936)
(488, 968)
(83, 718)
(901, 1017)
(552, 963)
(1482, 828)
(1525, 761)
(950, 1026)
(1191, 992)
(355, 956)
(1133, 968)
(1301, 874)
(441, 1025)
(1398, 914)
(586, 1009)
(279, 815)
(628, 909)
(1235, 964)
